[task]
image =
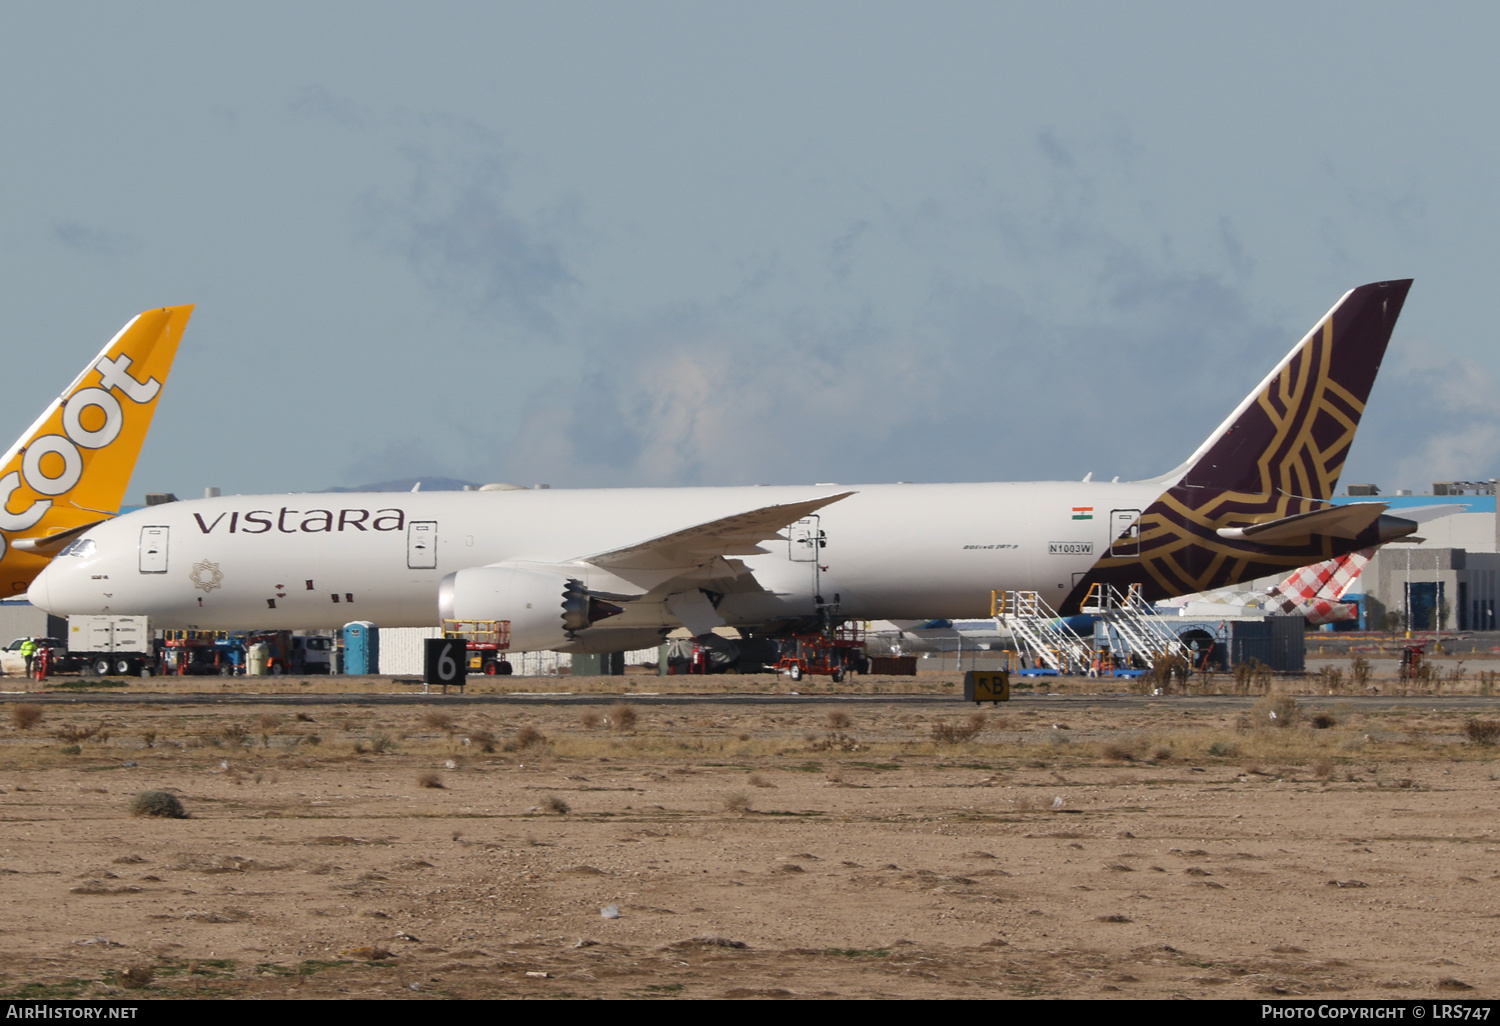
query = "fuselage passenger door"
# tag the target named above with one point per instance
(1125, 532)
(153, 550)
(421, 545)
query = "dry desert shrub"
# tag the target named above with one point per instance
(590, 719)
(835, 741)
(1117, 752)
(524, 738)
(72, 734)
(430, 779)
(267, 721)
(1482, 732)
(136, 977)
(1166, 669)
(839, 720)
(1322, 721)
(25, 715)
(236, 734)
(554, 803)
(159, 804)
(738, 803)
(1360, 671)
(707, 941)
(1331, 678)
(957, 733)
(1243, 676)
(436, 719)
(1275, 711)
(756, 780)
(622, 716)
(1322, 769)
(1250, 676)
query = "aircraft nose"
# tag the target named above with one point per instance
(40, 592)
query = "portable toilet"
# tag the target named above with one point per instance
(361, 648)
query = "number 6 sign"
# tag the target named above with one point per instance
(446, 662)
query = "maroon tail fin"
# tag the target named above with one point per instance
(1279, 454)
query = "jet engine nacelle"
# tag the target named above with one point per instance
(546, 609)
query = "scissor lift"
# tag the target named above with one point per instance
(487, 641)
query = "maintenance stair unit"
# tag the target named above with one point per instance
(1040, 632)
(1133, 632)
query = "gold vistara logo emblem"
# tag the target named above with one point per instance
(206, 575)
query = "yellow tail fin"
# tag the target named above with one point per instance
(70, 469)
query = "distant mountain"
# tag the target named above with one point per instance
(404, 484)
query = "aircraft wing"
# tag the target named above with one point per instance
(737, 535)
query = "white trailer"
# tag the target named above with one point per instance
(112, 644)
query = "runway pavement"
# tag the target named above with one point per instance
(1362, 703)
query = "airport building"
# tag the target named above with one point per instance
(1446, 576)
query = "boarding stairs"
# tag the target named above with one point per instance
(1132, 627)
(1040, 632)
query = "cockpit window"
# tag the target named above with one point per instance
(82, 547)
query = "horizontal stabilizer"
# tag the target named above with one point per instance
(1422, 514)
(737, 535)
(53, 543)
(1334, 522)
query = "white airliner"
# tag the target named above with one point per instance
(69, 470)
(592, 570)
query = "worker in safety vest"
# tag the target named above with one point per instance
(28, 653)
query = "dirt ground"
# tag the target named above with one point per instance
(802, 847)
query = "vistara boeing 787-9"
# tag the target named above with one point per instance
(605, 570)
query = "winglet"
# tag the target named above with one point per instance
(75, 461)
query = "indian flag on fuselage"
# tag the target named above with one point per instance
(1083, 512)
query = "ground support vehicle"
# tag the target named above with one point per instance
(12, 663)
(312, 653)
(227, 653)
(487, 642)
(201, 652)
(112, 644)
(834, 653)
(279, 650)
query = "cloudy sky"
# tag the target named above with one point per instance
(599, 244)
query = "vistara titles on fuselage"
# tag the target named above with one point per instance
(69, 470)
(591, 570)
